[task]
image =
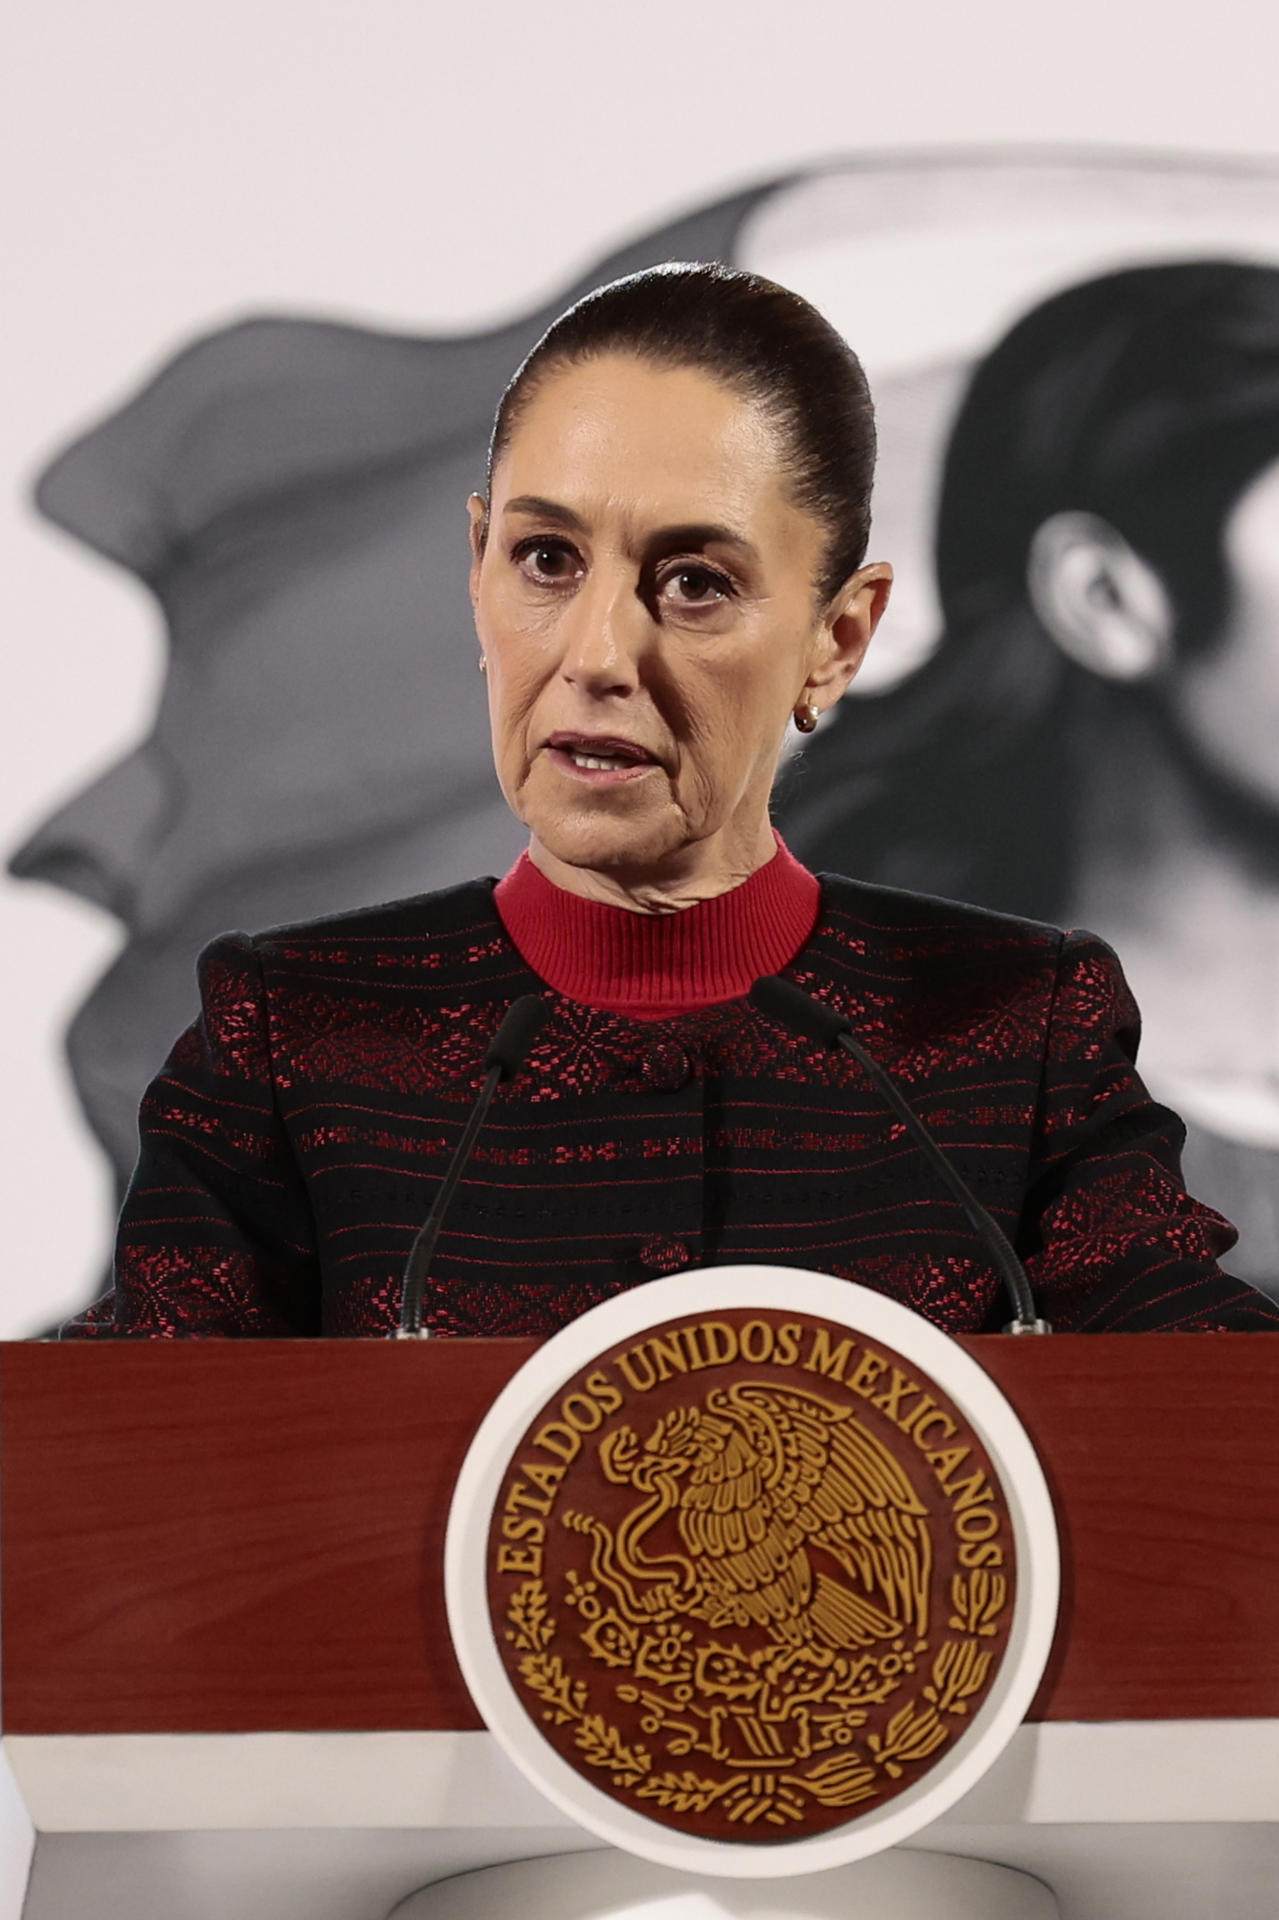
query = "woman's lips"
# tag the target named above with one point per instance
(602, 761)
(599, 768)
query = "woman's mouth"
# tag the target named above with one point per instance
(599, 761)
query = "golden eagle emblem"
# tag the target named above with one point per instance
(756, 1479)
(760, 1606)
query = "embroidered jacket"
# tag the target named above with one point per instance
(292, 1145)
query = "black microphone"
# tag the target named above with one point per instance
(507, 1050)
(788, 1004)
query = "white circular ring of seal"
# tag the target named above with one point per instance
(863, 1312)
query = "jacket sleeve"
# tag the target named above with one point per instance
(216, 1236)
(1111, 1239)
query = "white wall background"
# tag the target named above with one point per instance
(172, 166)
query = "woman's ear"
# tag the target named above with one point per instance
(1104, 606)
(854, 614)
(478, 514)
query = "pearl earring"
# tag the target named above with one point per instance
(806, 717)
(483, 664)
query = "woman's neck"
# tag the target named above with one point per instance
(651, 966)
(694, 873)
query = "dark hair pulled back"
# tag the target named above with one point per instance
(765, 343)
(1149, 397)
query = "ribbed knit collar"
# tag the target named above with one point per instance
(652, 965)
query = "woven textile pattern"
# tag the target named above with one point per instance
(294, 1141)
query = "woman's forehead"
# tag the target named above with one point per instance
(619, 435)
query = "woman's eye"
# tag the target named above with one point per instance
(698, 586)
(542, 560)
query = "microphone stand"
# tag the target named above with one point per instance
(783, 1001)
(506, 1054)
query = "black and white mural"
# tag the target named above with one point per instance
(1071, 711)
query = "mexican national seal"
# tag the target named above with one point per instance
(750, 1574)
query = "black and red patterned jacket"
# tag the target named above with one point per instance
(292, 1145)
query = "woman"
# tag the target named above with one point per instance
(1094, 740)
(668, 564)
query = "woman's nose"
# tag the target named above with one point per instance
(607, 630)
(97, 845)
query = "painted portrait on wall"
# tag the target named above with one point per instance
(1069, 712)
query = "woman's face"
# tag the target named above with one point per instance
(1227, 700)
(644, 604)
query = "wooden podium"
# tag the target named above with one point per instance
(229, 1690)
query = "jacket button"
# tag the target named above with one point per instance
(665, 1069)
(664, 1256)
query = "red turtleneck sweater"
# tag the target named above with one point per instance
(649, 966)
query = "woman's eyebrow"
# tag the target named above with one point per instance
(693, 533)
(543, 509)
(702, 533)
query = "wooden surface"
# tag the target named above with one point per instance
(217, 1536)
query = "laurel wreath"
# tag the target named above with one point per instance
(959, 1671)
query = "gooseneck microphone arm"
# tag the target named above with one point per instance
(506, 1054)
(788, 1004)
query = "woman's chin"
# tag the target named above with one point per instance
(614, 847)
